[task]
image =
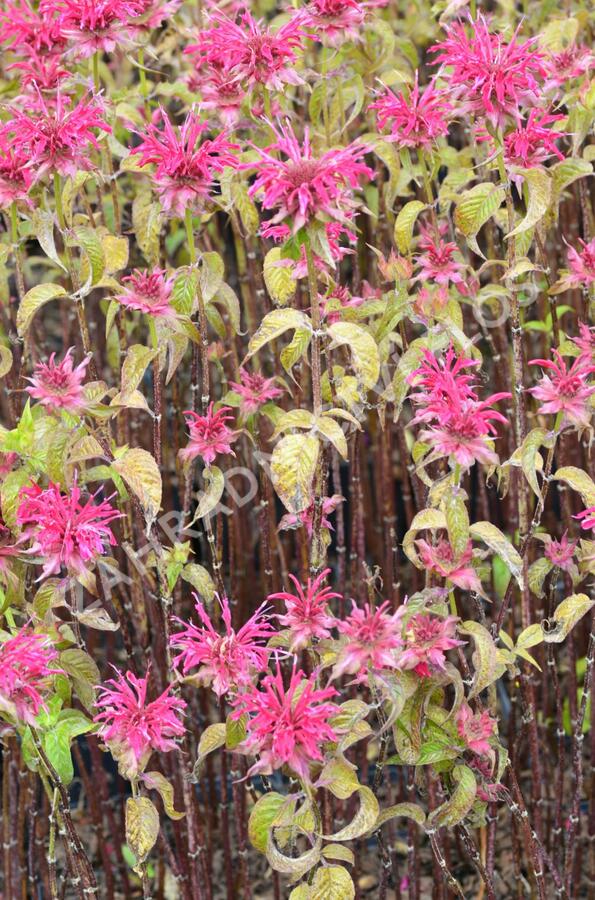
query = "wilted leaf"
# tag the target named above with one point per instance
(211, 739)
(539, 185)
(332, 883)
(458, 805)
(579, 481)
(158, 782)
(486, 666)
(474, 208)
(565, 617)
(210, 497)
(5, 360)
(426, 518)
(142, 826)
(363, 820)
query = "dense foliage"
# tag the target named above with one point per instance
(296, 457)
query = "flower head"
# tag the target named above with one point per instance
(565, 389)
(475, 729)
(307, 615)
(582, 265)
(335, 21)
(221, 91)
(57, 138)
(426, 640)
(493, 76)
(16, 176)
(287, 726)
(436, 264)
(228, 660)
(254, 390)
(531, 143)
(149, 292)
(25, 666)
(440, 558)
(59, 385)
(259, 54)
(460, 423)
(586, 518)
(305, 518)
(300, 186)
(132, 725)
(94, 25)
(22, 26)
(209, 434)
(560, 553)
(38, 71)
(417, 118)
(571, 62)
(64, 531)
(372, 637)
(185, 164)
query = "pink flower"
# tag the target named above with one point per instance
(427, 638)
(566, 390)
(333, 22)
(305, 518)
(258, 54)
(307, 614)
(64, 531)
(150, 14)
(334, 232)
(209, 434)
(94, 25)
(302, 187)
(437, 264)
(492, 76)
(337, 300)
(586, 517)
(133, 727)
(185, 165)
(38, 71)
(228, 660)
(440, 559)
(475, 729)
(586, 339)
(221, 91)
(571, 62)
(461, 424)
(417, 118)
(254, 391)
(16, 176)
(532, 143)
(287, 727)
(59, 385)
(57, 139)
(149, 292)
(25, 667)
(22, 27)
(560, 553)
(582, 265)
(372, 638)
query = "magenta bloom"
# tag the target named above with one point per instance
(460, 423)
(586, 518)
(334, 231)
(221, 91)
(287, 727)
(586, 339)
(94, 25)
(573, 61)
(254, 390)
(57, 139)
(582, 265)
(258, 54)
(301, 187)
(565, 390)
(149, 292)
(333, 22)
(228, 660)
(134, 727)
(38, 71)
(307, 614)
(417, 118)
(437, 264)
(185, 165)
(372, 638)
(440, 559)
(560, 553)
(493, 77)
(475, 729)
(427, 639)
(532, 143)
(209, 434)
(64, 531)
(24, 669)
(23, 27)
(305, 518)
(16, 176)
(59, 385)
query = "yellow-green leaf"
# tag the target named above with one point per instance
(293, 465)
(278, 278)
(332, 883)
(142, 826)
(264, 813)
(141, 473)
(158, 782)
(362, 346)
(499, 543)
(405, 223)
(579, 481)
(274, 325)
(565, 617)
(33, 301)
(210, 497)
(363, 820)
(539, 186)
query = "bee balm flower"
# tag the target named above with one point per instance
(59, 385)
(416, 119)
(209, 435)
(475, 729)
(254, 391)
(149, 292)
(307, 614)
(224, 660)
(287, 726)
(565, 389)
(427, 638)
(132, 726)
(25, 666)
(372, 637)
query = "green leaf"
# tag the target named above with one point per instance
(200, 580)
(235, 731)
(274, 325)
(579, 481)
(211, 739)
(56, 744)
(539, 186)
(279, 279)
(458, 805)
(362, 346)
(499, 543)
(158, 782)
(475, 207)
(293, 465)
(262, 816)
(93, 262)
(332, 883)
(184, 292)
(486, 665)
(83, 673)
(33, 301)
(142, 826)
(567, 614)
(141, 473)
(146, 222)
(296, 349)
(363, 820)
(529, 456)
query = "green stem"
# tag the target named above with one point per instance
(96, 78)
